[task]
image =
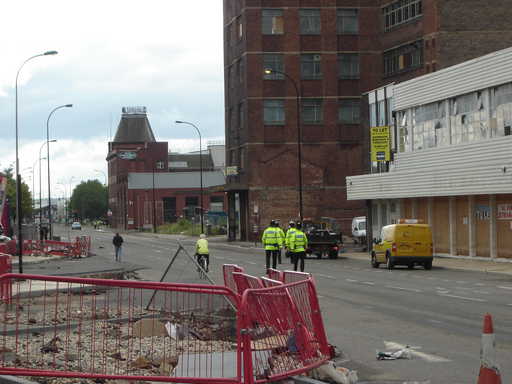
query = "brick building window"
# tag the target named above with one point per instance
(274, 62)
(160, 164)
(400, 12)
(310, 66)
(273, 112)
(272, 22)
(348, 66)
(241, 70)
(310, 23)
(347, 21)
(404, 58)
(312, 111)
(349, 111)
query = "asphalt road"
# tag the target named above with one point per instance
(437, 313)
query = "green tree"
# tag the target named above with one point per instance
(89, 200)
(26, 196)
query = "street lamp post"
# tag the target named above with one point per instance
(40, 186)
(19, 210)
(48, 163)
(200, 168)
(269, 71)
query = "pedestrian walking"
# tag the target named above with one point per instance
(272, 242)
(118, 246)
(298, 245)
(202, 250)
(283, 238)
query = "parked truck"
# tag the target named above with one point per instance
(324, 238)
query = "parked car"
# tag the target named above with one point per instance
(359, 229)
(76, 225)
(406, 243)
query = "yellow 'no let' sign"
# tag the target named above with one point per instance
(381, 144)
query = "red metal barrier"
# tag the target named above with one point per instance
(95, 328)
(292, 276)
(244, 281)
(281, 339)
(191, 333)
(275, 274)
(267, 283)
(5, 285)
(227, 272)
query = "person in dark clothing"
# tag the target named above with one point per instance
(118, 244)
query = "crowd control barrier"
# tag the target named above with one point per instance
(81, 247)
(190, 333)
(5, 285)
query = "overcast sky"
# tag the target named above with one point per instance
(166, 55)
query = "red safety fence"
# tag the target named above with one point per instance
(79, 248)
(244, 281)
(101, 329)
(5, 285)
(267, 283)
(293, 276)
(285, 339)
(190, 333)
(227, 272)
(275, 274)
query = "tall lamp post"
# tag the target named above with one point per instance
(19, 210)
(200, 168)
(270, 71)
(48, 163)
(40, 186)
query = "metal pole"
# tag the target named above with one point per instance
(200, 169)
(154, 205)
(19, 210)
(48, 162)
(299, 138)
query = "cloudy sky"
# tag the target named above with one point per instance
(163, 54)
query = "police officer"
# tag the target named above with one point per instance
(289, 232)
(298, 245)
(271, 240)
(283, 239)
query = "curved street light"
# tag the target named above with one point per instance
(269, 71)
(40, 186)
(18, 177)
(200, 168)
(48, 162)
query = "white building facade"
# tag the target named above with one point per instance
(452, 168)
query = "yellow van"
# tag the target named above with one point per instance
(405, 243)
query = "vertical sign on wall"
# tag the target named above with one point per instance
(380, 144)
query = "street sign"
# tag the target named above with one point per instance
(232, 170)
(127, 155)
(380, 144)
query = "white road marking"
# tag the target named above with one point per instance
(157, 250)
(435, 321)
(481, 292)
(220, 257)
(422, 355)
(367, 282)
(510, 305)
(352, 281)
(504, 287)
(326, 276)
(404, 289)
(463, 298)
(460, 282)
(480, 284)
(251, 262)
(320, 297)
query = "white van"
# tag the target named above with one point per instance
(359, 229)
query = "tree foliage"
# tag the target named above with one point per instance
(26, 196)
(89, 200)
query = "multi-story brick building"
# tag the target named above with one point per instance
(334, 51)
(150, 186)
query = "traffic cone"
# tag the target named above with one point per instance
(489, 369)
